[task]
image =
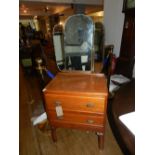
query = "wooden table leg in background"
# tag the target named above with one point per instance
(100, 140)
(53, 133)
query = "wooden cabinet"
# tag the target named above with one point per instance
(77, 100)
(125, 62)
(128, 38)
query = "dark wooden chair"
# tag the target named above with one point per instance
(122, 103)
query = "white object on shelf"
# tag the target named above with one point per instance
(118, 78)
(113, 87)
(129, 121)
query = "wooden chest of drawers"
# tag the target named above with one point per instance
(77, 100)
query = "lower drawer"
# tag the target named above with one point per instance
(76, 118)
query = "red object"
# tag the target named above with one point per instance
(113, 63)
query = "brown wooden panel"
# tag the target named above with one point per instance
(78, 83)
(126, 60)
(128, 37)
(75, 103)
(87, 127)
(77, 121)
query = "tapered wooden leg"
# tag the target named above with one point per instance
(53, 133)
(100, 141)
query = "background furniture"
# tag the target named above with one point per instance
(28, 54)
(77, 100)
(125, 62)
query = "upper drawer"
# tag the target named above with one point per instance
(75, 103)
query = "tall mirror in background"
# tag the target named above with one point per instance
(74, 47)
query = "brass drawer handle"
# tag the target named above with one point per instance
(90, 105)
(90, 121)
(57, 103)
(60, 117)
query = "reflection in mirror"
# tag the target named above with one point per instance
(98, 41)
(74, 47)
(78, 43)
(58, 45)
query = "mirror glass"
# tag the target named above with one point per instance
(74, 47)
(58, 45)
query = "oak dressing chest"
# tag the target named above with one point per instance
(77, 100)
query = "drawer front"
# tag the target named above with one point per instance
(76, 118)
(75, 103)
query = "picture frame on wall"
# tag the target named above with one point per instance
(128, 5)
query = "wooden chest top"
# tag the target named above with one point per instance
(78, 83)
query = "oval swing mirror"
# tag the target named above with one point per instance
(77, 44)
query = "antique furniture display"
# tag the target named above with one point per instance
(77, 100)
